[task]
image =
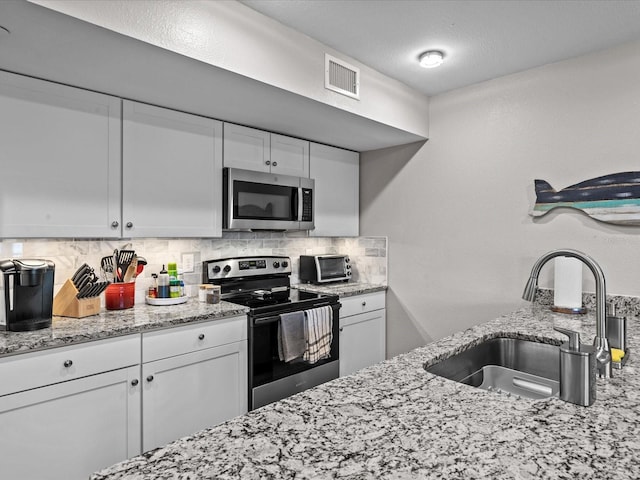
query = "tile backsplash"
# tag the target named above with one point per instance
(368, 254)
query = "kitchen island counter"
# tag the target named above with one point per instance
(111, 323)
(395, 420)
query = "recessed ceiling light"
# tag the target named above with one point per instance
(431, 59)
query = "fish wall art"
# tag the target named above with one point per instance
(611, 198)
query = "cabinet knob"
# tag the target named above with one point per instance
(341, 328)
(129, 225)
(67, 363)
(134, 382)
(268, 162)
(150, 378)
(275, 164)
(115, 224)
(364, 304)
(201, 336)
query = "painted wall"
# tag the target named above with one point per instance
(230, 35)
(455, 209)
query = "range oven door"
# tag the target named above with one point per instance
(258, 200)
(271, 379)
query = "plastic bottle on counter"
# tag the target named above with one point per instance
(172, 270)
(174, 288)
(153, 288)
(163, 284)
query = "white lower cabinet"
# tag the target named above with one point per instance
(70, 427)
(362, 331)
(199, 381)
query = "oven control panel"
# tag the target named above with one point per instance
(252, 264)
(244, 267)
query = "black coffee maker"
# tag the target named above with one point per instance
(26, 291)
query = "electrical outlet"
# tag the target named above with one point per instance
(187, 262)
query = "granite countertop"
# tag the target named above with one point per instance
(394, 420)
(342, 289)
(111, 323)
(142, 317)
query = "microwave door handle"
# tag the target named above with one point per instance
(297, 200)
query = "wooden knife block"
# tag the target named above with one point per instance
(66, 304)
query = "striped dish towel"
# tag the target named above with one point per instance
(318, 323)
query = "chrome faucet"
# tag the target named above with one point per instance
(600, 342)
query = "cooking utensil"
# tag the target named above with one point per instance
(131, 270)
(106, 264)
(123, 261)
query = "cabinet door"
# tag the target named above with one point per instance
(289, 156)
(60, 160)
(190, 392)
(362, 341)
(337, 202)
(172, 173)
(69, 430)
(247, 148)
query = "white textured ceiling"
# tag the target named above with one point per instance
(482, 39)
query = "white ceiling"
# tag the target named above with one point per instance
(482, 39)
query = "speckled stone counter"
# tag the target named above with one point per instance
(342, 289)
(142, 317)
(395, 421)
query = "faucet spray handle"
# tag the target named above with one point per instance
(574, 337)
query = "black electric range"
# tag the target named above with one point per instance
(263, 284)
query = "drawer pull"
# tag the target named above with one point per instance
(129, 224)
(150, 378)
(364, 304)
(267, 162)
(134, 382)
(341, 329)
(115, 224)
(201, 336)
(67, 363)
(275, 164)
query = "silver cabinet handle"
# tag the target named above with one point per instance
(201, 336)
(67, 363)
(129, 225)
(268, 162)
(134, 382)
(150, 378)
(364, 304)
(115, 224)
(341, 328)
(275, 164)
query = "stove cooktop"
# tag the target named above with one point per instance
(260, 302)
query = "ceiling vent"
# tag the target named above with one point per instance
(341, 77)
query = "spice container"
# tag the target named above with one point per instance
(213, 294)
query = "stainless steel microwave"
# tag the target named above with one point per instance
(266, 201)
(324, 268)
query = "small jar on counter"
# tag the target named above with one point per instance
(209, 293)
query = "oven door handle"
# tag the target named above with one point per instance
(266, 320)
(275, 318)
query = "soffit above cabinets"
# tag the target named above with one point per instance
(52, 46)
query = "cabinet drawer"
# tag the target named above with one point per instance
(191, 338)
(37, 369)
(362, 303)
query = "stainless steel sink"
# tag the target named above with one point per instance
(507, 365)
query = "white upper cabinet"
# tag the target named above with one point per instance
(289, 156)
(253, 149)
(172, 173)
(337, 202)
(60, 160)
